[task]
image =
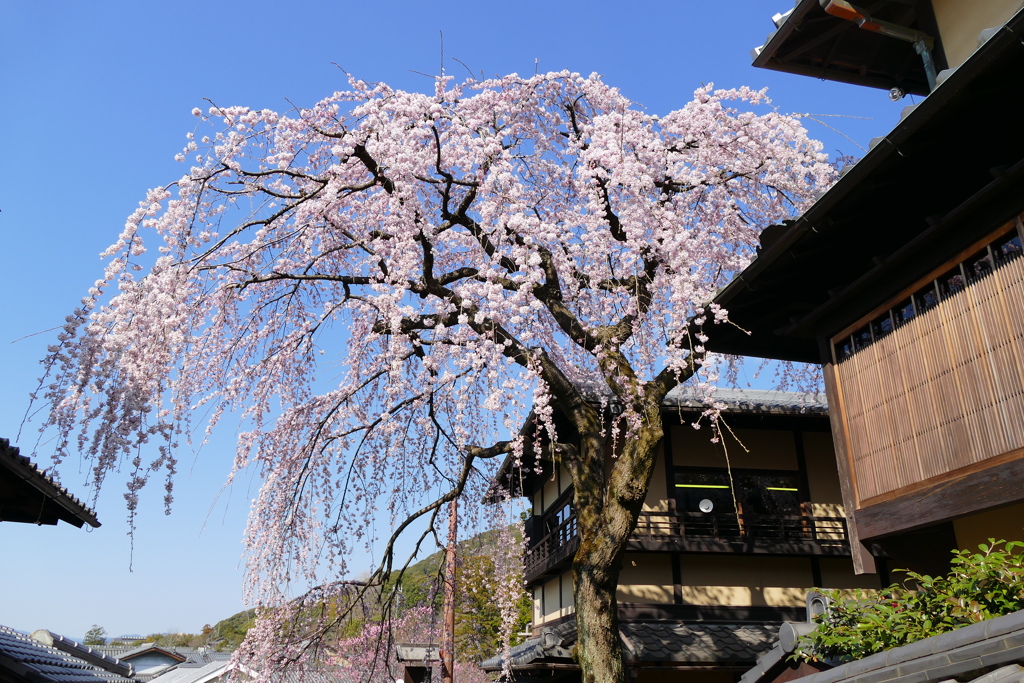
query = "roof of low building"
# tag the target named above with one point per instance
(196, 673)
(652, 643)
(27, 494)
(990, 651)
(25, 659)
(84, 652)
(177, 654)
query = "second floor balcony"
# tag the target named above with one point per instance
(674, 531)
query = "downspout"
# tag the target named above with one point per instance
(923, 43)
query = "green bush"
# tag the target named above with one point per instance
(981, 585)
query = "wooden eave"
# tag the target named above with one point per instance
(812, 43)
(28, 495)
(943, 178)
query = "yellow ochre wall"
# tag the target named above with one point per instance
(960, 22)
(1005, 523)
(721, 580)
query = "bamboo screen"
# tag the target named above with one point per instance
(941, 392)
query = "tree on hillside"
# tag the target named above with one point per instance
(97, 635)
(387, 283)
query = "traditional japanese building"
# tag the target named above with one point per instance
(29, 495)
(904, 280)
(731, 537)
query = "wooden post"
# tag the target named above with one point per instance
(448, 633)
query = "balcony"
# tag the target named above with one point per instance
(694, 532)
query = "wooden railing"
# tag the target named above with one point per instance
(688, 530)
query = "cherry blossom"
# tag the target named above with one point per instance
(376, 285)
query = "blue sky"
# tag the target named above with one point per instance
(96, 100)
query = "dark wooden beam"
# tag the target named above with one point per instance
(863, 561)
(1000, 484)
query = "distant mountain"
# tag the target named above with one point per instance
(228, 633)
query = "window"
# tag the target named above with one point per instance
(979, 265)
(862, 338)
(758, 492)
(951, 282)
(904, 312)
(882, 325)
(1000, 251)
(926, 298)
(1007, 248)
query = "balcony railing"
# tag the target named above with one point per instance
(698, 532)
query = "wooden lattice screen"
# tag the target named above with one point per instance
(942, 392)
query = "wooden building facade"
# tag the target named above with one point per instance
(731, 538)
(905, 281)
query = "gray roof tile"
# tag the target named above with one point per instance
(987, 652)
(658, 642)
(39, 663)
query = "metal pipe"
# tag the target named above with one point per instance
(923, 43)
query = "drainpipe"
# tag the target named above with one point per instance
(923, 43)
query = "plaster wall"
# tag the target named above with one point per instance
(553, 487)
(754, 449)
(745, 581)
(646, 577)
(656, 500)
(1005, 523)
(960, 22)
(822, 473)
(837, 572)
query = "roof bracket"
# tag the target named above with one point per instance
(923, 43)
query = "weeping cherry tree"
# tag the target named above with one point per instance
(383, 289)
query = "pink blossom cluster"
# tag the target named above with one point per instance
(374, 284)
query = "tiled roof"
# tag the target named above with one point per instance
(751, 400)
(990, 651)
(698, 643)
(84, 652)
(23, 658)
(179, 654)
(32, 496)
(735, 400)
(654, 643)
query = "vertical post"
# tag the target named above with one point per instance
(448, 633)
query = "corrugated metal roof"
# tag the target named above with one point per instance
(192, 674)
(31, 661)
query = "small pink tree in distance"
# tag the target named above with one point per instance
(385, 285)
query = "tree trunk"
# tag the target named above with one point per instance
(609, 495)
(596, 577)
(447, 654)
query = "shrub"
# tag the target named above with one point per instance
(981, 585)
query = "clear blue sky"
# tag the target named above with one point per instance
(96, 101)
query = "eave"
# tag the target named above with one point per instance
(950, 171)
(28, 495)
(810, 42)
